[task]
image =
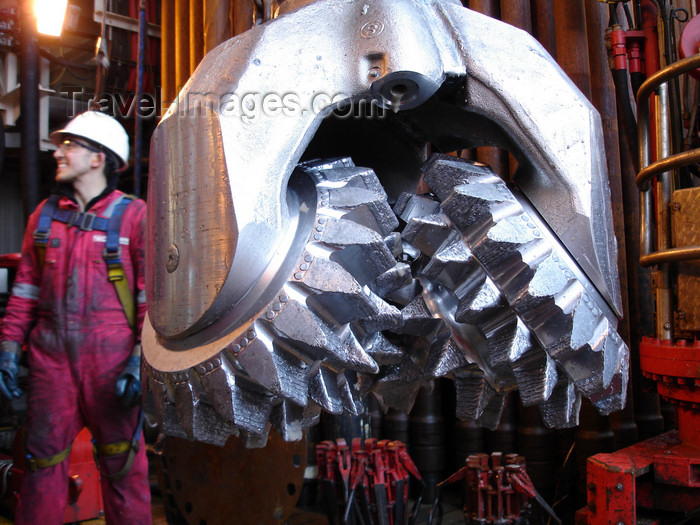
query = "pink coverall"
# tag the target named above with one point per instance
(78, 342)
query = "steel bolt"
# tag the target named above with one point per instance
(619, 487)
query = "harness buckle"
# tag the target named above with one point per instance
(86, 221)
(112, 256)
(41, 237)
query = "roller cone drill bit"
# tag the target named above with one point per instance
(280, 286)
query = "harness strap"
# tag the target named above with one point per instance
(113, 257)
(34, 463)
(119, 447)
(39, 463)
(41, 234)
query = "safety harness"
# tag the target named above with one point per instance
(88, 222)
(112, 255)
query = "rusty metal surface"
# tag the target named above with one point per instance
(685, 213)
(233, 484)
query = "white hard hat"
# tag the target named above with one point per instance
(100, 128)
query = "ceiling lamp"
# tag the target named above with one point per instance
(49, 16)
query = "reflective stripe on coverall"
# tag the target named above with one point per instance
(78, 342)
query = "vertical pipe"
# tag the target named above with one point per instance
(217, 23)
(427, 435)
(664, 299)
(504, 438)
(167, 53)
(543, 25)
(540, 447)
(243, 15)
(182, 52)
(138, 124)
(572, 42)
(518, 14)
(29, 108)
(196, 28)
(486, 7)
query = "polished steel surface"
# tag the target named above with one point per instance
(274, 294)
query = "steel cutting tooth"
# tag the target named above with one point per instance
(393, 279)
(212, 429)
(218, 379)
(614, 396)
(452, 264)
(274, 366)
(410, 206)
(385, 317)
(398, 385)
(491, 415)
(417, 318)
(364, 207)
(426, 233)
(443, 173)
(312, 415)
(536, 375)
(304, 330)
(562, 408)
(473, 392)
(350, 393)
(287, 419)
(360, 250)
(479, 300)
(252, 440)
(336, 293)
(383, 351)
(187, 401)
(156, 392)
(251, 408)
(323, 389)
(445, 359)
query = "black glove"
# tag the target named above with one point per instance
(128, 387)
(10, 353)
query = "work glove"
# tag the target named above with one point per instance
(128, 387)
(10, 353)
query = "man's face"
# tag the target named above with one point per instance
(74, 158)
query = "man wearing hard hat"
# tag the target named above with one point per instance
(78, 303)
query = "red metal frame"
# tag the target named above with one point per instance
(662, 473)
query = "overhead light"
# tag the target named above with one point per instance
(49, 16)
